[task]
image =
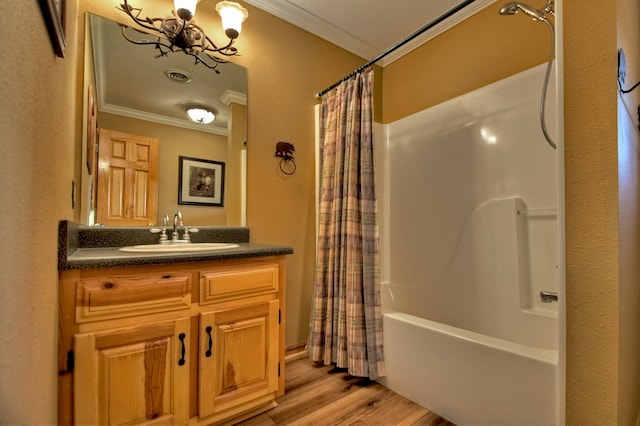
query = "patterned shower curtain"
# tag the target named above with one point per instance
(346, 322)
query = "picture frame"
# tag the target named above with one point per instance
(53, 12)
(200, 182)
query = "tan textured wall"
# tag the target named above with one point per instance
(485, 48)
(37, 166)
(629, 213)
(591, 185)
(235, 148)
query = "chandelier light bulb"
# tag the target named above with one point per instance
(185, 9)
(232, 15)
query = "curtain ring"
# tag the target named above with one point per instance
(290, 164)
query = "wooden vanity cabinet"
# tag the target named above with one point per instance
(193, 343)
(135, 375)
(237, 361)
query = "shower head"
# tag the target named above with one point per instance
(513, 7)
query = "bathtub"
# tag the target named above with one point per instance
(469, 378)
(469, 240)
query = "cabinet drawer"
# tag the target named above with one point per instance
(240, 281)
(118, 296)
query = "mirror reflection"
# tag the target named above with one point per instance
(141, 102)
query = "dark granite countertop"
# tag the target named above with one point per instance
(84, 247)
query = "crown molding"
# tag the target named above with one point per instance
(230, 96)
(315, 25)
(161, 119)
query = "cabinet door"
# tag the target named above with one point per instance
(127, 179)
(238, 360)
(136, 375)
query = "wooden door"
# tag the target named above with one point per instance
(136, 375)
(238, 358)
(127, 179)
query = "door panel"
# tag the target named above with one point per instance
(127, 179)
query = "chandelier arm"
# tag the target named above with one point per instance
(156, 43)
(148, 23)
(173, 27)
(207, 45)
(227, 50)
(199, 60)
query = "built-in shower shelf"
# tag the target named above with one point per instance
(538, 212)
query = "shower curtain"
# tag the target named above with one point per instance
(346, 322)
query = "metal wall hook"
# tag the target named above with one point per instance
(287, 165)
(284, 151)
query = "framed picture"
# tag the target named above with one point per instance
(53, 12)
(200, 182)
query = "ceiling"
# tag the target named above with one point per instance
(368, 27)
(134, 85)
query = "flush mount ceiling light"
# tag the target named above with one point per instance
(179, 32)
(200, 114)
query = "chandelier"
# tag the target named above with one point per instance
(179, 32)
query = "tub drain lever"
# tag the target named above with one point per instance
(548, 296)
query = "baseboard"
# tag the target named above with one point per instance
(295, 351)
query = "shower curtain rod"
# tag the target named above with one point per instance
(430, 25)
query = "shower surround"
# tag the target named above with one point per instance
(468, 196)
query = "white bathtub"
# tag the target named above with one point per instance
(486, 355)
(469, 378)
(469, 239)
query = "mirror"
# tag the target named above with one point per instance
(136, 92)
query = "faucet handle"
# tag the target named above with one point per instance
(162, 232)
(186, 236)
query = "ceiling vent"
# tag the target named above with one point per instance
(177, 75)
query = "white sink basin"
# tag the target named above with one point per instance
(178, 247)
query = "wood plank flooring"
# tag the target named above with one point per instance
(324, 395)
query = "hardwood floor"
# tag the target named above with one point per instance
(323, 395)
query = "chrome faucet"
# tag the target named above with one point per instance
(175, 236)
(177, 222)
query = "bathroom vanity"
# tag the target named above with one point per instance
(187, 338)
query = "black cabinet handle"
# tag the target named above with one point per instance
(209, 353)
(183, 350)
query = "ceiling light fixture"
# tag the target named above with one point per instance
(200, 115)
(179, 32)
